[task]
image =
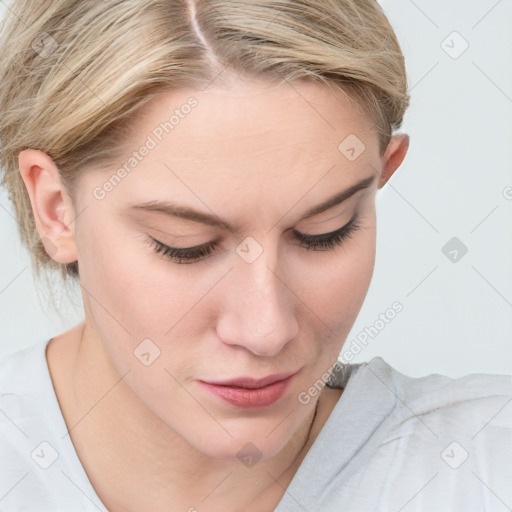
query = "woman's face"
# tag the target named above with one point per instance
(254, 301)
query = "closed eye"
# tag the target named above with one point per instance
(323, 242)
(328, 241)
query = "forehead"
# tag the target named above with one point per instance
(246, 120)
(234, 148)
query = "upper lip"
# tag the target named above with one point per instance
(250, 382)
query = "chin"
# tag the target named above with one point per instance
(246, 451)
(248, 444)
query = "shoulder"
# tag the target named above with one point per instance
(394, 442)
(19, 370)
(436, 401)
(21, 382)
(475, 408)
(24, 397)
(476, 397)
(452, 435)
(39, 468)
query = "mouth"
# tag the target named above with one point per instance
(250, 393)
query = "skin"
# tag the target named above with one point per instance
(256, 155)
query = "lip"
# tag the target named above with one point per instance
(250, 393)
(250, 382)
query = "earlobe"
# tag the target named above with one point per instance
(51, 205)
(393, 157)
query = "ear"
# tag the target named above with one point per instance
(51, 205)
(393, 157)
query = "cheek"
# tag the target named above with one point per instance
(133, 287)
(124, 297)
(337, 282)
(336, 287)
(136, 296)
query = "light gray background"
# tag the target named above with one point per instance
(456, 181)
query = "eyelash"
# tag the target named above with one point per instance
(323, 242)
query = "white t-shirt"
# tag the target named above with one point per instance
(392, 443)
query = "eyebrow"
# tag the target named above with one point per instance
(185, 212)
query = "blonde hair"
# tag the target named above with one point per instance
(74, 72)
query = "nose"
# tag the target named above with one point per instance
(258, 308)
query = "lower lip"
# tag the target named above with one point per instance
(246, 398)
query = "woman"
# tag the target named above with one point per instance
(208, 171)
